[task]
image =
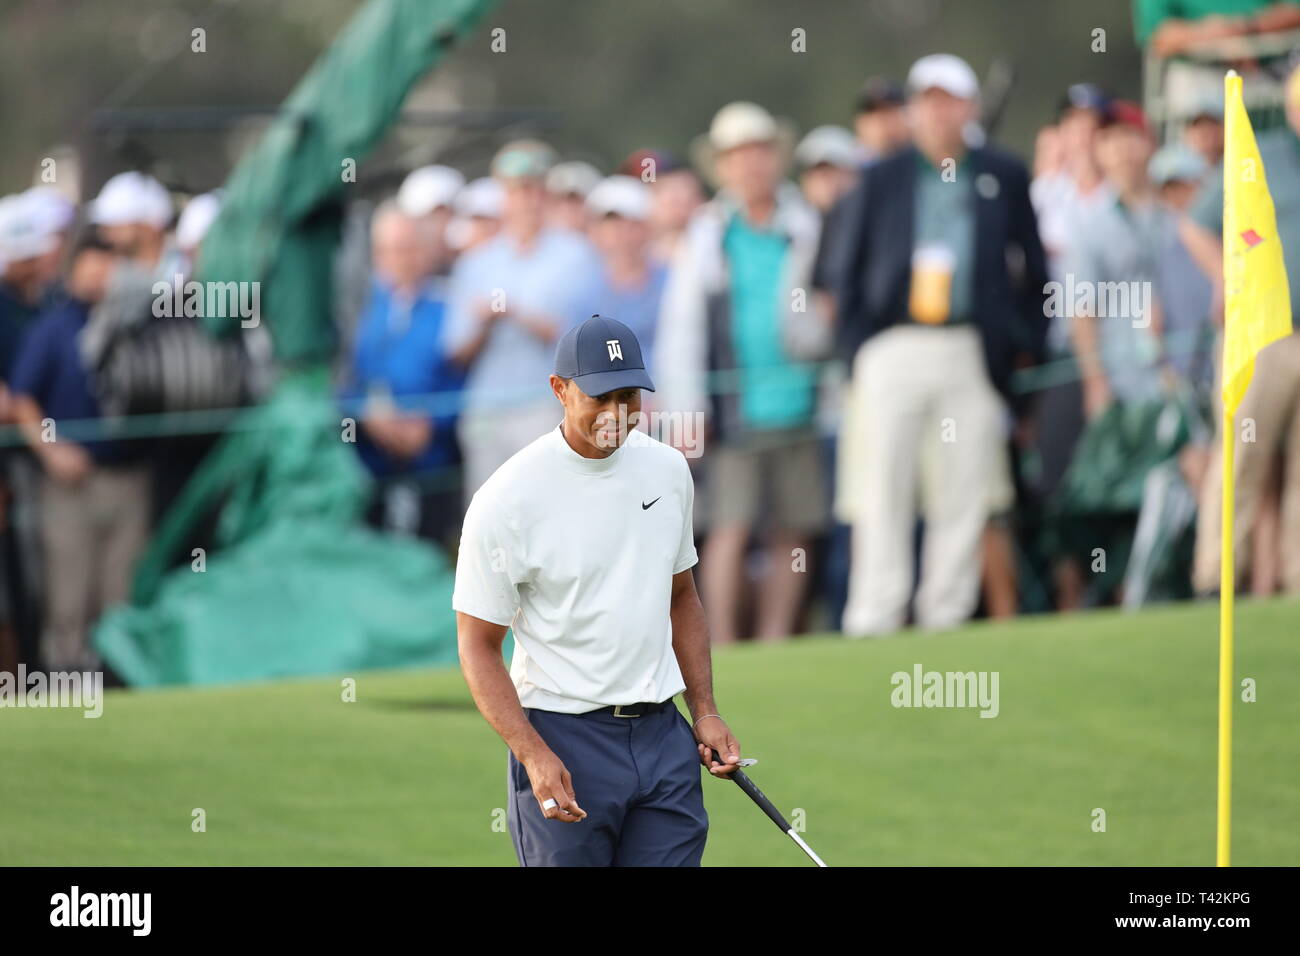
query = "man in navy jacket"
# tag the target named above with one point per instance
(941, 287)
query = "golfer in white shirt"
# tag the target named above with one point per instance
(582, 543)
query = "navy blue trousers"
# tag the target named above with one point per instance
(638, 778)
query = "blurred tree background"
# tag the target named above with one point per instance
(605, 78)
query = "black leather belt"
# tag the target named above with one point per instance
(635, 710)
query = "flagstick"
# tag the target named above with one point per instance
(1227, 582)
(1227, 563)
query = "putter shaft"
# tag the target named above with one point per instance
(751, 789)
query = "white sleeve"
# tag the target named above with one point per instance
(487, 569)
(686, 556)
(681, 339)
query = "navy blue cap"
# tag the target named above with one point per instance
(601, 355)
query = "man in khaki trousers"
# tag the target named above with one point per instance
(1268, 429)
(94, 493)
(934, 320)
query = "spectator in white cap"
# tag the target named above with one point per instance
(478, 215)
(24, 245)
(53, 213)
(430, 193)
(567, 186)
(828, 159)
(133, 212)
(94, 493)
(631, 281)
(511, 298)
(932, 321)
(733, 306)
(33, 229)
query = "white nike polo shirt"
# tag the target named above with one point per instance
(577, 555)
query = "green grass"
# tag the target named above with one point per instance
(1100, 710)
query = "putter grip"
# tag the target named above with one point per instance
(757, 795)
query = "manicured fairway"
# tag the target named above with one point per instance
(1103, 710)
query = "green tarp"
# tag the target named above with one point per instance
(1115, 453)
(296, 599)
(1094, 513)
(297, 585)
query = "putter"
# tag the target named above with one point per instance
(757, 795)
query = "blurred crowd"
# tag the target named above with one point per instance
(935, 382)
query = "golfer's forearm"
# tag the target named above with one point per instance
(691, 645)
(498, 701)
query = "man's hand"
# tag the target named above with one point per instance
(551, 781)
(486, 313)
(714, 734)
(66, 463)
(401, 437)
(541, 327)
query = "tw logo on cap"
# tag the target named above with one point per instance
(615, 349)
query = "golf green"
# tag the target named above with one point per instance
(1099, 713)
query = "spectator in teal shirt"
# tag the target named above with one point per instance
(774, 391)
(738, 330)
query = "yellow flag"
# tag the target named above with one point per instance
(1257, 301)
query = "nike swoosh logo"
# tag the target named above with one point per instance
(646, 507)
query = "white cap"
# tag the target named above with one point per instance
(944, 71)
(197, 216)
(829, 144)
(572, 178)
(22, 235)
(481, 199)
(132, 198)
(52, 209)
(620, 196)
(429, 188)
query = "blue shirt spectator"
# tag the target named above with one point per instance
(398, 356)
(637, 308)
(553, 277)
(16, 316)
